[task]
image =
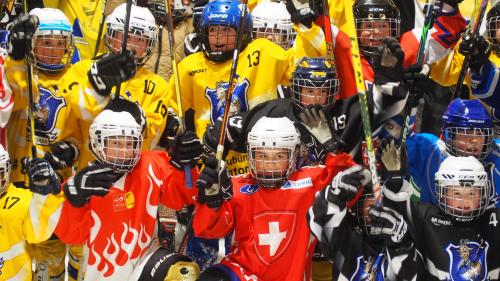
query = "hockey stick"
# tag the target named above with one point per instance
(412, 96)
(126, 25)
(182, 124)
(361, 90)
(99, 33)
(327, 30)
(473, 34)
(31, 100)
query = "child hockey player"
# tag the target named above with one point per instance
(112, 205)
(455, 238)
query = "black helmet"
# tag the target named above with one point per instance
(374, 11)
(314, 73)
(492, 19)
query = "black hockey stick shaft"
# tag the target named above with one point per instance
(99, 32)
(31, 100)
(126, 25)
(465, 65)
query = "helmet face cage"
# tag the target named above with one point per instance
(329, 89)
(141, 40)
(361, 208)
(52, 50)
(275, 26)
(373, 29)
(462, 195)
(467, 141)
(492, 32)
(5, 168)
(117, 145)
(265, 169)
(218, 27)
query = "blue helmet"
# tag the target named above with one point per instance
(223, 13)
(467, 129)
(314, 73)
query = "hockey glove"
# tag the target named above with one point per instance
(394, 164)
(166, 233)
(92, 180)
(111, 70)
(388, 62)
(477, 48)
(168, 136)
(212, 134)
(62, 154)
(21, 32)
(301, 12)
(42, 178)
(186, 150)
(316, 123)
(214, 186)
(388, 225)
(346, 184)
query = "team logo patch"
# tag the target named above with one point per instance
(249, 188)
(273, 233)
(46, 111)
(217, 96)
(302, 183)
(370, 269)
(467, 260)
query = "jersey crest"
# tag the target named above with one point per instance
(370, 269)
(467, 260)
(46, 111)
(273, 233)
(216, 97)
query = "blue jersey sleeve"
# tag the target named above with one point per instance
(485, 85)
(425, 156)
(492, 166)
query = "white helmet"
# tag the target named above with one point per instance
(462, 188)
(142, 26)
(121, 128)
(4, 169)
(271, 20)
(54, 27)
(272, 135)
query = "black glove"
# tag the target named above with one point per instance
(477, 48)
(21, 32)
(214, 186)
(62, 154)
(394, 164)
(111, 70)
(346, 184)
(92, 180)
(42, 178)
(389, 225)
(388, 62)
(301, 12)
(186, 150)
(212, 134)
(316, 122)
(168, 136)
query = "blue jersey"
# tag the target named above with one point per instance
(427, 151)
(486, 87)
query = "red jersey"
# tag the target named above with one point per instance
(270, 226)
(117, 229)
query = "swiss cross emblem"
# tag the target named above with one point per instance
(273, 233)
